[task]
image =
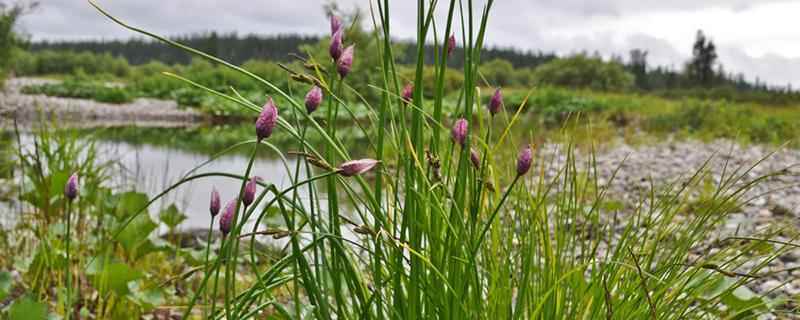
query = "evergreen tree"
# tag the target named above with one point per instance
(638, 67)
(704, 56)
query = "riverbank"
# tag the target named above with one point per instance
(629, 173)
(87, 113)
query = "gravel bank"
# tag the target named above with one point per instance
(774, 200)
(28, 108)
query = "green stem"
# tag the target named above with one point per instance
(205, 279)
(230, 269)
(494, 214)
(68, 307)
(216, 280)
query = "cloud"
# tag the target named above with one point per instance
(781, 70)
(762, 46)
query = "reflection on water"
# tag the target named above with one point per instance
(156, 168)
(152, 169)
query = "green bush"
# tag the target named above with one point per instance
(731, 94)
(453, 80)
(69, 62)
(555, 105)
(723, 120)
(498, 72)
(581, 71)
(78, 88)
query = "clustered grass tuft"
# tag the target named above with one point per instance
(451, 228)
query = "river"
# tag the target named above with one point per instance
(153, 168)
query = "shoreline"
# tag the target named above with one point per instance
(28, 109)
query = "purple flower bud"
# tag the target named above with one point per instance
(215, 204)
(71, 188)
(227, 217)
(266, 120)
(451, 44)
(336, 45)
(496, 103)
(345, 62)
(336, 24)
(408, 93)
(524, 160)
(356, 167)
(313, 99)
(460, 129)
(250, 190)
(475, 158)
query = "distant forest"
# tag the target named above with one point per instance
(702, 72)
(230, 47)
(238, 49)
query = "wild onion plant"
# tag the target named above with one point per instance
(70, 193)
(465, 226)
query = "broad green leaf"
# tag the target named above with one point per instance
(740, 301)
(136, 233)
(96, 265)
(107, 202)
(273, 218)
(5, 284)
(171, 217)
(28, 309)
(115, 277)
(130, 203)
(57, 182)
(195, 257)
(744, 303)
(149, 246)
(147, 299)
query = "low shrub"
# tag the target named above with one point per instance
(77, 88)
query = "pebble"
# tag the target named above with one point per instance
(774, 200)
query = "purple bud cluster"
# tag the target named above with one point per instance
(343, 56)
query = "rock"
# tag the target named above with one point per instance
(770, 285)
(764, 213)
(791, 256)
(780, 211)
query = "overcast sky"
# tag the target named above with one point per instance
(759, 38)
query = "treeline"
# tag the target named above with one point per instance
(704, 77)
(238, 49)
(701, 77)
(229, 47)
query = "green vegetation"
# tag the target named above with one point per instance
(78, 88)
(586, 116)
(120, 259)
(421, 230)
(703, 76)
(610, 95)
(581, 71)
(9, 14)
(72, 63)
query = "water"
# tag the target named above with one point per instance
(152, 169)
(156, 168)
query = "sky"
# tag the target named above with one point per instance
(757, 38)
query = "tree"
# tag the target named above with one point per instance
(638, 66)
(9, 15)
(498, 72)
(581, 71)
(704, 57)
